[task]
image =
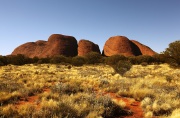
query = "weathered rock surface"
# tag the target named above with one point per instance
(145, 50)
(57, 44)
(122, 45)
(86, 46)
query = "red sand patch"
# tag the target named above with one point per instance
(134, 106)
(33, 100)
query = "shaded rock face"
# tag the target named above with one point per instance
(86, 46)
(57, 44)
(145, 50)
(122, 45)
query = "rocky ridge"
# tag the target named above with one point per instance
(59, 44)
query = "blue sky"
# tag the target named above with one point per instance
(155, 23)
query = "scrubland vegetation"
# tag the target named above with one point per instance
(78, 91)
(71, 92)
(80, 87)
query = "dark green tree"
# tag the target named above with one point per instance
(173, 52)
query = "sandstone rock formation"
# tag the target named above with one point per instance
(57, 44)
(86, 46)
(122, 45)
(145, 50)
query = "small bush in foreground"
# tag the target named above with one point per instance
(122, 67)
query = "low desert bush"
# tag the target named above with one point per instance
(8, 111)
(144, 63)
(65, 88)
(7, 98)
(59, 59)
(93, 58)
(3, 60)
(122, 67)
(67, 110)
(114, 59)
(78, 61)
(159, 108)
(1, 63)
(26, 110)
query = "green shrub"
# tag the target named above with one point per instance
(133, 60)
(78, 61)
(144, 64)
(59, 59)
(17, 59)
(103, 59)
(122, 67)
(64, 88)
(35, 59)
(67, 111)
(3, 60)
(144, 58)
(111, 109)
(1, 63)
(93, 58)
(112, 60)
(159, 58)
(173, 52)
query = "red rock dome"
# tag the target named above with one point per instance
(86, 46)
(120, 45)
(57, 44)
(145, 50)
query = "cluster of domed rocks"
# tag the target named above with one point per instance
(58, 44)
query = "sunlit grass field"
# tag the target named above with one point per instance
(60, 91)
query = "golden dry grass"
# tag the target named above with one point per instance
(72, 90)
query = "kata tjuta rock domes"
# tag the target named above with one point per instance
(57, 44)
(86, 46)
(145, 50)
(122, 45)
(61, 45)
